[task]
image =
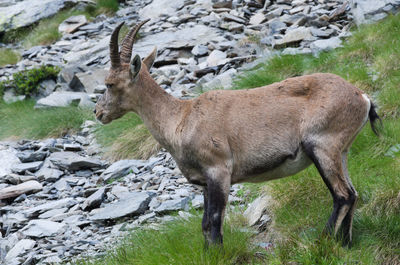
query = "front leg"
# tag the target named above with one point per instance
(218, 187)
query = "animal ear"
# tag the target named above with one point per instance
(135, 65)
(149, 60)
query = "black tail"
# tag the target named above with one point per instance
(373, 118)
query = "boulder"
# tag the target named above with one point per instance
(43, 228)
(364, 11)
(73, 162)
(48, 174)
(216, 57)
(120, 169)
(92, 79)
(293, 36)
(23, 167)
(72, 24)
(256, 210)
(134, 204)
(26, 13)
(158, 8)
(64, 99)
(94, 200)
(44, 207)
(30, 156)
(26, 187)
(326, 45)
(173, 205)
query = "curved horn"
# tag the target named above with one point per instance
(126, 51)
(114, 53)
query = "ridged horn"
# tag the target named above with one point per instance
(114, 49)
(127, 44)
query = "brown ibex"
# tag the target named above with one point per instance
(224, 137)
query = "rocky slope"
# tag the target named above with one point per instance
(58, 198)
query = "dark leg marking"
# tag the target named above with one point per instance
(205, 224)
(216, 206)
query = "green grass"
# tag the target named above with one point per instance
(181, 242)
(46, 31)
(8, 56)
(20, 120)
(126, 138)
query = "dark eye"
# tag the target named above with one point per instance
(108, 86)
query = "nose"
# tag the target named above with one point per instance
(94, 111)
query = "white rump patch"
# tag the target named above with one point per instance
(369, 106)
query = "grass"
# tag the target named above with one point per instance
(46, 31)
(20, 120)
(8, 56)
(180, 242)
(126, 138)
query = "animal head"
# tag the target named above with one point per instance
(125, 78)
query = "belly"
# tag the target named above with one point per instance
(289, 167)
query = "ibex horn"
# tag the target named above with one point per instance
(114, 51)
(126, 51)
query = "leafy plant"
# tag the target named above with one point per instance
(26, 82)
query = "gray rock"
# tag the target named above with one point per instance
(200, 50)
(26, 187)
(64, 99)
(94, 200)
(22, 246)
(8, 158)
(43, 228)
(326, 45)
(52, 213)
(92, 79)
(229, 17)
(134, 204)
(67, 202)
(198, 201)
(158, 8)
(364, 10)
(72, 161)
(72, 24)
(257, 18)
(293, 36)
(173, 205)
(49, 174)
(26, 13)
(216, 57)
(256, 209)
(30, 156)
(120, 169)
(223, 80)
(31, 167)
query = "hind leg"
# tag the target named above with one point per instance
(329, 163)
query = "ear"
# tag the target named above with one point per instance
(149, 60)
(135, 65)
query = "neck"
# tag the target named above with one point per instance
(160, 112)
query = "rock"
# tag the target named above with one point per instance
(200, 50)
(92, 79)
(8, 158)
(26, 13)
(22, 246)
(31, 186)
(256, 210)
(72, 147)
(31, 167)
(34, 211)
(158, 8)
(48, 174)
(134, 204)
(293, 36)
(120, 169)
(364, 10)
(94, 200)
(68, 75)
(72, 161)
(43, 228)
(229, 17)
(46, 87)
(198, 201)
(72, 24)
(65, 99)
(326, 45)
(216, 57)
(30, 156)
(120, 191)
(173, 205)
(257, 19)
(52, 213)
(223, 80)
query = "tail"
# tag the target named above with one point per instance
(373, 118)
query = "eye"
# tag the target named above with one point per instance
(108, 86)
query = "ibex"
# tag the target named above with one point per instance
(224, 137)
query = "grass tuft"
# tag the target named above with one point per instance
(181, 242)
(8, 56)
(126, 138)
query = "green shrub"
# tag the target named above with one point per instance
(26, 82)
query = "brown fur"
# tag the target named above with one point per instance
(224, 137)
